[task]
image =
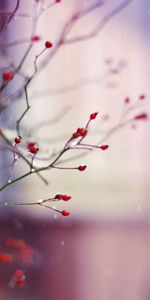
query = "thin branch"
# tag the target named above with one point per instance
(62, 40)
(51, 121)
(40, 201)
(21, 155)
(26, 92)
(8, 20)
(100, 25)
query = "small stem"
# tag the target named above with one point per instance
(7, 21)
(52, 208)
(26, 92)
(65, 168)
(32, 159)
(33, 171)
(27, 203)
(25, 111)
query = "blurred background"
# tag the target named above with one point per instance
(101, 251)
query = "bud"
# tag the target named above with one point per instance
(93, 116)
(143, 116)
(18, 139)
(65, 213)
(104, 147)
(7, 76)
(48, 44)
(82, 167)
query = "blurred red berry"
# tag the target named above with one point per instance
(7, 76)
(19, 273)
(18, 278)
(143, 116)
(35, 38)
(126, 100)
(5, 258)
(20, 282)
(142, 97)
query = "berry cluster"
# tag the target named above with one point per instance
(78, 136)
(18, 279)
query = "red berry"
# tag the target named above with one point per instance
(10, 243)
(19, 273)
(30, 145)
(62, 197)
(48, 44)
(84, 133)
(65, 213)
(20, 282)
(18, 139)
(143, 116)
(66, 197)
(34, 149)
(75, 135)
(142, 97)
(82, 167)
(104, 147)
(80, 132)
(93, 116)
(58, 1)
(18, 278)
(7, 76)
(35, 38)
(58, 196)
(5, 258)
(126, 100)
